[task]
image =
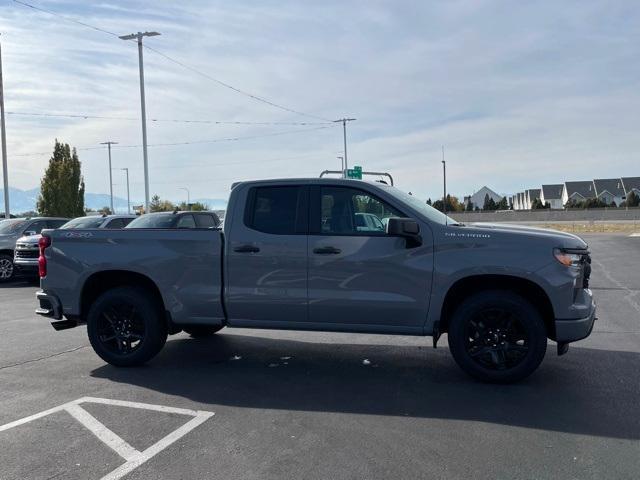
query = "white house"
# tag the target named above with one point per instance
(532, 195)
(610, 190)
(477, 199)
(552, 194)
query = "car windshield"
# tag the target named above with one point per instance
(155, 220)
(83, 222)
(422, 207)
(11, 226)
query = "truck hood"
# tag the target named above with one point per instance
(563, 239)
(31, 239)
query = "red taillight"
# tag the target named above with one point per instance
(43, 243)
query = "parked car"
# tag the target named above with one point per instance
(11, 230)
(291, 256)
(176, 219)
(25, 258)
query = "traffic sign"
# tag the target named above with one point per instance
(355, 172)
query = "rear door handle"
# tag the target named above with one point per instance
(246, 249)
(326, 250)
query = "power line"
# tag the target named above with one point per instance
(195, 142)
(84, 116)
(177, 62)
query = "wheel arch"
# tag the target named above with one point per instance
(100, 282)
(528, 289)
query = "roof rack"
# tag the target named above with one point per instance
(376, 174)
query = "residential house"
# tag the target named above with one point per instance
(610, 190)
(552, 194)
(533, 194)
(631, 184)
(477, 199)
(578, 191)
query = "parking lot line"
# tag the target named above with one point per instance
(134, 458)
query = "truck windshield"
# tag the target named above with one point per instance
(8, 227)
(83, 222)
(153, 220)
(422, 207)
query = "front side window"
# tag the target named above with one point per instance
(55, 223)
(205, 221)
(273, 210)
(115, 224)
(347, 211)
(36, 227)
(83, 222)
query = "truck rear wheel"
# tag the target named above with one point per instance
(497, 336)
(199, 331)
(125, 327)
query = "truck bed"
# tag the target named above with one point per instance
(185, 265)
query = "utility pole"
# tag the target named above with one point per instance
(344, 138)
(444, 173)
(3, 134)
(108, 144)
(188, 196)
(128, 198)
(139, 36)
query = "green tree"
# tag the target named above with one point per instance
(62, 187)
(194, 207)
(429, 201)
(158, 205)
(489, 203)
(633, 200)
(502, 204)
(453, 204)
(538, 205)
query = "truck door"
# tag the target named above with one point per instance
(360, 277)
(267, 258)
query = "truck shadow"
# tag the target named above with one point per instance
(588, 391)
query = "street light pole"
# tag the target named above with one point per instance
(128, 198)
(188, 196)
(3, 134)
(444, 174)
(344, 138)
(108, 144)
(341, 164)
(138, 36)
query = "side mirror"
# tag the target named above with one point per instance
(407, 228)
(30, 233)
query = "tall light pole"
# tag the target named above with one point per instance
(139, 36)
(341, 164)
(3, 134)
(444, 174)
(128, 198)
(108, 144)
(188, 196)
(344, 138)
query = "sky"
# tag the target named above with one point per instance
(519, 93)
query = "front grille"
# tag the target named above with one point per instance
(27, 253)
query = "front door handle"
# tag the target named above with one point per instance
(246, 249)
(326, 250)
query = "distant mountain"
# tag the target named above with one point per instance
(25, 200)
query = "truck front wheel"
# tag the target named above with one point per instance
(7, 269)
(497, 336)
(125, 327)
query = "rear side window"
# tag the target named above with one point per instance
(115, 224)
(55, 223)
(205, 221)
(186, 221)
(274, 210)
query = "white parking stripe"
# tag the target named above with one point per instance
(103, 433)
(144, 406)
(158, 447)
(134, 458)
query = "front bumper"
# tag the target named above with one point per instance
(575, 329)
(26, 265)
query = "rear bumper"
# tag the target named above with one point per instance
(48, 305)
(575, 329)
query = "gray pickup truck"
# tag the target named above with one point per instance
(298, 254)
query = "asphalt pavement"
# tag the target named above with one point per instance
(252, 404)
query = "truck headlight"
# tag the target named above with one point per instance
(568, 259)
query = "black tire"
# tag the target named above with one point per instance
(497, 336)
(126, 327)
(199, 331)
(7, 268)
